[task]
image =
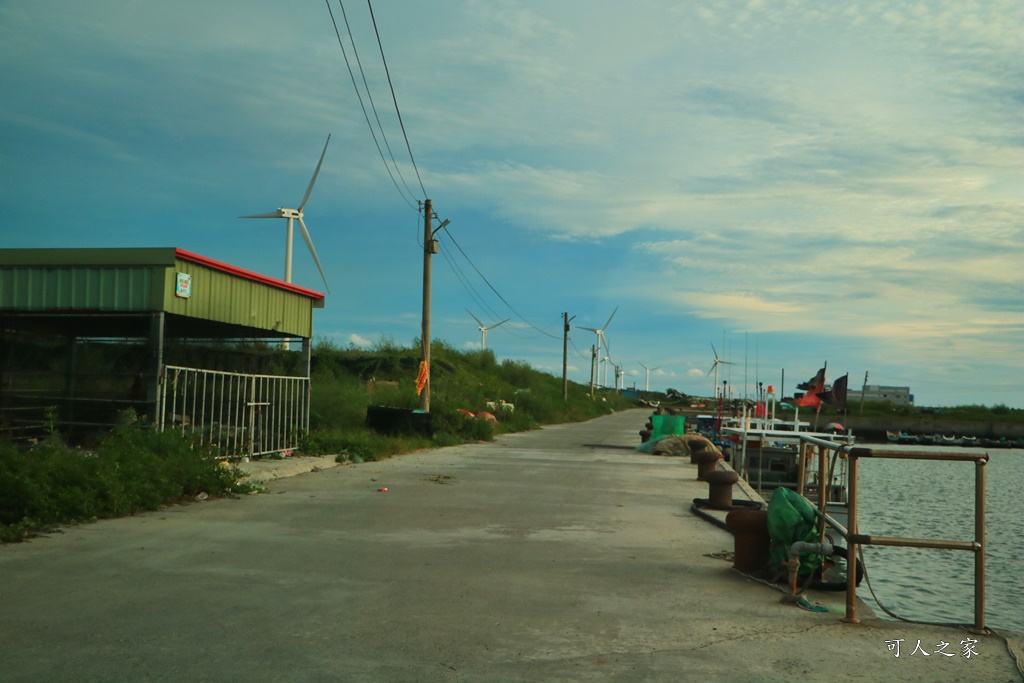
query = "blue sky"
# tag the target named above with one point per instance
(794, 182)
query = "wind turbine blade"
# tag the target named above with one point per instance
(309, 243)
(313, 179)
(610, 318)
(501, 323)
(474, 318)
(269, 214)
(588, 329)
(643, 366)
(713, 350)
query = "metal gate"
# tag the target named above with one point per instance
(242, 415)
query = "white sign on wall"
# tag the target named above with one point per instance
(183, 285)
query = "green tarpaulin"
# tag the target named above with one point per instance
(791, 518)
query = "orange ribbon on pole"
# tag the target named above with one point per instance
(421, 379)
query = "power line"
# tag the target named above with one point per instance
(369, 96)
(466, 284)
(363, 106)
(471, 290)
(482, 277)
(395, 99)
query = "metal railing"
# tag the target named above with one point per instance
(977, 546)
(242, 415)
(826, 495)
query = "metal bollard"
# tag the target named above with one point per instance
(706, 463)
(720, 488)
(752, 541)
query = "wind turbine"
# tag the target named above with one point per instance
(718, 361)
(483, 328)
(296, 215)
(647, 384)
(601, 340)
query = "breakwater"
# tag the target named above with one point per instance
(873, 429)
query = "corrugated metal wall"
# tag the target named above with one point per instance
(223, 297)
(143, 280)
(40, 288)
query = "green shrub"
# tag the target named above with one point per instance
(132, 470)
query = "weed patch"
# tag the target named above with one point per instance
(132, 470)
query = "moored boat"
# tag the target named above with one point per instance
(770, 459)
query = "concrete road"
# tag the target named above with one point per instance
(555, 555)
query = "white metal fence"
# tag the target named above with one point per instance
(243, 415)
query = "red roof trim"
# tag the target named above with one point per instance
(247, 274)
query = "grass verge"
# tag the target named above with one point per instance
(132, 470)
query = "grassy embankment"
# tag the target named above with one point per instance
(135, 469)
(460, 380)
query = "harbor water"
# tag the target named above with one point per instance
(935, 500)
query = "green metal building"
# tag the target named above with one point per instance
(151, 298)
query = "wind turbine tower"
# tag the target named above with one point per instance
(599, 333)
(647, 383)
(296, 215)
(483, 328)
(714, 367)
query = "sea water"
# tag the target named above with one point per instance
(935, 500)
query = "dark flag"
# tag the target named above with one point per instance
(815, 383)
(812, 390)
(837, 394)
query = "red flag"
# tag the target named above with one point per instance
(812, 389)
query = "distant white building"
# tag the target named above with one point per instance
(900, 396)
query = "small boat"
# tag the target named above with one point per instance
(900, 437)
(969, 441)
(942, 440)
(778, 458)
(925, 439)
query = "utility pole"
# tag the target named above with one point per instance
(593, 361)
(429, 249)
(863, 392)
(565, 355)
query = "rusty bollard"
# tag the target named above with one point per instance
(706, 463)
(696, 449)
(751, 539)
(720, 488)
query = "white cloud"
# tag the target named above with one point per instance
(359, 340)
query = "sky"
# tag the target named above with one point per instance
(785, 183)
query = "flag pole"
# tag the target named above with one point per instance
(817, 411)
